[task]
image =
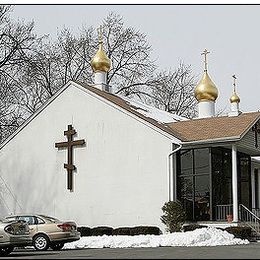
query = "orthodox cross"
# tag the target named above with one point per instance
(234, 83)
(205, 53)
(100, 34)
(256, 129)
(69, 144)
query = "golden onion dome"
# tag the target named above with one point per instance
(234, 98)
(206, 90)
(100, 61)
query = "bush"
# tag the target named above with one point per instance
(240, 232)
(192, 227)
(145, 230)
(125, 231)
(84, 231)
(100, 231)
(174, 216)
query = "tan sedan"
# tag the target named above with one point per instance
(13, 234)
(48, 231)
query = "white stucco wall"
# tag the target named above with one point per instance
(122, 172)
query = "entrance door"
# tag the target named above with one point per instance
(244, 180)
(256, 189)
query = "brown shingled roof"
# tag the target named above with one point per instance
(202, 129)
(214, 127)
(127, 106)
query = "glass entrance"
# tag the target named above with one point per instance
(244, 180)
(193, 187)
(204, 181)
(221, 183)
(256, 189)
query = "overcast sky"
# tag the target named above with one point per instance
(179, 32)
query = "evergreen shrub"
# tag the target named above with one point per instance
(240, 232)
(84, 231)
(174, 216)
(145, 230)
(127, 231)
(192, 227)
(100, 231)
(122, 231)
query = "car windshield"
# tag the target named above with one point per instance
(51, 219)
(4, 220)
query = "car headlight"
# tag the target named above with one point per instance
(17, 229)
(9, 229)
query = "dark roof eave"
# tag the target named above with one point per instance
(214, 140)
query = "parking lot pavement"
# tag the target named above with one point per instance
(251, 251)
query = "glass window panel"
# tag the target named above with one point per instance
(244, 164)
(244, 188)
(201, 157)
(256, 189)
(227, 164)
(186, 162)
(185, 194)
(202, 197)
(245, 194)
(185, 187)
(221, 176)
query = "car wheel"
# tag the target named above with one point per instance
(57, 246)
(6, 251)
(41, 242)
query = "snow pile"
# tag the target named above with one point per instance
(152, 112)
(199, 237)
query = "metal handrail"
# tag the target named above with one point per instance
(249, 218)
(223, 210)
(256, 211)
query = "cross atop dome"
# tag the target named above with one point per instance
(206, 92)
(234, 98)
(100, 63)
(205, 53)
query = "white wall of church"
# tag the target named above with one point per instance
(122, 172)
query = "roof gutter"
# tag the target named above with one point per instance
(171, 177)
(216, 140)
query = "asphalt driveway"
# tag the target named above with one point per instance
(251, 251)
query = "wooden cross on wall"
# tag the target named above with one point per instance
(256, 129)
(69, 144)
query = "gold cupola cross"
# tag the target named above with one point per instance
(100, 34)
(234, 83)
(205, 53)
(69, 144)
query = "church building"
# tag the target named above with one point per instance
(101, 159)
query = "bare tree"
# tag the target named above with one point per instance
(126, 47)
(132, 73)
(130, 54)
(173, 91)
(17, 40)
(32, 69)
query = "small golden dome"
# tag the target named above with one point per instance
(206, 89)
(100, 61)
(234, 98)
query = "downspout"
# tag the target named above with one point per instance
(171, 172)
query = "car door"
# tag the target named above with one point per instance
(31, 220)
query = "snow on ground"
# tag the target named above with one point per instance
(199, 237)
